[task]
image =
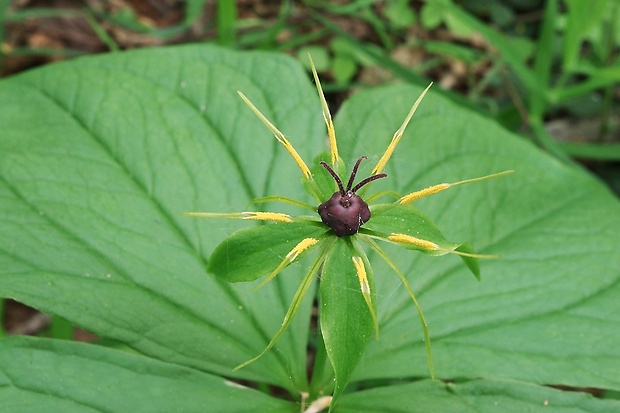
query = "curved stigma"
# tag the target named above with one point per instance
(335, 176)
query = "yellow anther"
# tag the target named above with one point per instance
(361, 274)
(360, 269)
(267, 216)
(416, 242)
(398, 134)
(303, 245)
(414, 196)
(279, 136)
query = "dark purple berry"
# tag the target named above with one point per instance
(345, 212)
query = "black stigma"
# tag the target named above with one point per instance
(345, 212)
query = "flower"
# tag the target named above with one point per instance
(337, 229)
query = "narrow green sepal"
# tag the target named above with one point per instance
(406, 219)
(392, 218)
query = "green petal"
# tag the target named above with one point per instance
(253, 252)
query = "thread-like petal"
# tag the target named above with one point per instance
(398, 134)
(414, 196)
(331, 132)
(279, 136)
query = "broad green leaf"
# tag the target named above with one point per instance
(546, 311)
(60, 376)
(100, 158)
(476, 396)
(253, 252)
(346, 324)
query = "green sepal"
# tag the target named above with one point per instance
(407, 219)
(472, 263)
(346, 323)
(246, 256)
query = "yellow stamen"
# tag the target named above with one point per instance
(398, 134)
(257, 216)
(303, 245)
(331, 132)
(279, 136)
(358, 263)
(414, 196)
(416, 242)
(267, 216)
(431, 246)
(361, 274)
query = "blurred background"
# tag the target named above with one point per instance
(548, 70)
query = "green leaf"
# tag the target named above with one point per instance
(100, 158)
(346, 323)
(253, 252)
(400, 14)
(432, 15)
(63, 376)
(344, 68)
(320, 57)
(546, 310)
(476, 396)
